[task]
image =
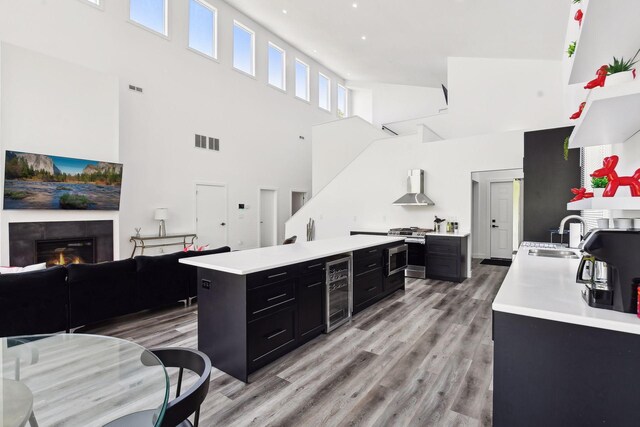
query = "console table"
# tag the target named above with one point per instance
(160, 241)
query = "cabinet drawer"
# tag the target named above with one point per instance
(443, 245)
(443, 266)
(270, 276)
(365, 264)
(313, 279)
(394, 281)
(269, 298)
(312, 266)
(367, 286)
(373, 252)
(269, 334)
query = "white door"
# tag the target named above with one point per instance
(501, 219)
(211, 215)
(298, 199)
(268, 218)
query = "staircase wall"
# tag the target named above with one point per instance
(335, 144)
(361, 195)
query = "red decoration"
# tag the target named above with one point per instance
(581, 193)
(578, 113)
(579, 16)
(609, 170)
(600, 79)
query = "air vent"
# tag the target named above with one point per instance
(207, 142)
(135, 88)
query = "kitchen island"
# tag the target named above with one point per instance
(257, 305)
(558, 361)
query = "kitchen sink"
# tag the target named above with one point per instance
(551, 253)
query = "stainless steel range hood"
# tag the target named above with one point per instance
(415, 195)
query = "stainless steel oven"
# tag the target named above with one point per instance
(396, 259)
(416, 265)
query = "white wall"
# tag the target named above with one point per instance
(361, 195)
(361, 103)
(498, 95)
(184, 94)
(49, 106)
(389, 103)
(336, 144)
(482, 212)
(485, 96)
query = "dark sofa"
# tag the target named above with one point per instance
(62, 298)
(34, 302)
(101, 291)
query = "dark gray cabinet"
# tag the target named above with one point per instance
(552, 373)
(370, 282)
(311, 305)
(446, 258)
(248, 321)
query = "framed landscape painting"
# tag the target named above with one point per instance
(38, 181)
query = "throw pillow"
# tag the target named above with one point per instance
(28, 268)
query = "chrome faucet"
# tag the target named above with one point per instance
(567, 218)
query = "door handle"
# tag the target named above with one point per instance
(223, 224)
(494, 226)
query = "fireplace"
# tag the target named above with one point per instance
(75, 241)
(66, 251)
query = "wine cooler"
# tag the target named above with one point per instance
(339, 292)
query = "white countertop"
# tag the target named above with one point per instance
(546, 288)
(254, 260)
(458, 234)
(433, 233)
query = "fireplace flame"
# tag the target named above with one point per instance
(61, 259)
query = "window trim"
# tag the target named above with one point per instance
(99, 5)
(215, 31)
(346, 100)
(321, 75)
(164, 35)
(284, 67)
(308, 98)
(253, 49)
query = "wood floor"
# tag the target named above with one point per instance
(423, 357)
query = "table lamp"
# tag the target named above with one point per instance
(161, 214)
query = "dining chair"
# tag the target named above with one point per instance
(184, 404)
(18, 351)
(290, 240)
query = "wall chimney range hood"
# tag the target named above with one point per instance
(415, 195)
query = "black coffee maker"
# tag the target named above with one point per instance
(620, 250)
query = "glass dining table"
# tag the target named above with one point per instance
(79, 380)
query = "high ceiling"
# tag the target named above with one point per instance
(408, 41)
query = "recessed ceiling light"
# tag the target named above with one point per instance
(315, 51)
(355, 5)
(284, 11)
(363, 37)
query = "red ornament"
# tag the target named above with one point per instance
(609, 170)
(600, 79)
(580, 193)
(578, 113)
(579, 16)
